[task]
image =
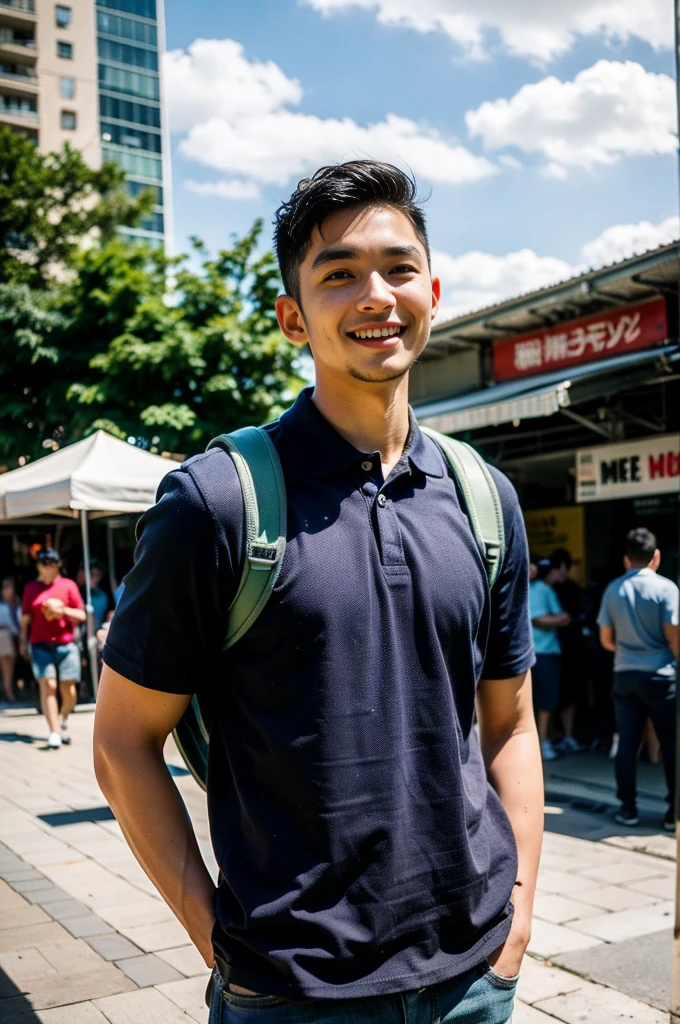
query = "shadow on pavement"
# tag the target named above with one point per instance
(14, 1006)
(103, 813)
(19, 737)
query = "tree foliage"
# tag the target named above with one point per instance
(97, 332)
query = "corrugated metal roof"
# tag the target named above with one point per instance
(577, 295)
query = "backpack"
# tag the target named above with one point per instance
(264, 496)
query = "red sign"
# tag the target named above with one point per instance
(611, 333)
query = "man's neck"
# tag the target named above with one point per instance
(372, 417)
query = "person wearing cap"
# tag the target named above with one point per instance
(547, 616)
(51, 607)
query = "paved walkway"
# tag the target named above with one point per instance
(85, 939)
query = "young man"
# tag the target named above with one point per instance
(368, 869)
(638, 621)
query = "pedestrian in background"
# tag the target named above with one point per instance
(51, 608)
(574, 676)
(547, 616)
(9, 633)
(638, 621)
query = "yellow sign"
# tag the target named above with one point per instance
(550, 528)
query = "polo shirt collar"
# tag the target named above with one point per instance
(325, 452)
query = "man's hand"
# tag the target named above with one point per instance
(53, 608)
(507, 959)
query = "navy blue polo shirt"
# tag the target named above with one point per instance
(361, 849)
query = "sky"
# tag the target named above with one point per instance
(541, 133)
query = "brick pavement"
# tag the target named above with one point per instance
(85, 938)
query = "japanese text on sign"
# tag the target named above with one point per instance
(612, 333)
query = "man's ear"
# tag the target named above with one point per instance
(627, 563)
(289, 315)
(436, 295)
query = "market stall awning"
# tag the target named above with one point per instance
(531, 397)
(98, 474)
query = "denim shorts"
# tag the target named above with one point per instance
(56, 661)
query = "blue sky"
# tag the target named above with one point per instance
(543, 131)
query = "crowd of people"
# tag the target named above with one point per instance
(607, 661)
(42, 638)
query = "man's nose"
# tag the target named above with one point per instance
(377, 295)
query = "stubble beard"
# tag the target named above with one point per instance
(379, 377)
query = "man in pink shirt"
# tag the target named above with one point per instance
(51, 607)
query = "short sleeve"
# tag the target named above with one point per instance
(670, 606)
(510, 650)
(74, 598)
(170, 623)
(604, 617)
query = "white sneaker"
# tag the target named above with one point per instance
(65, 734)
(548, 752)
(54, 741)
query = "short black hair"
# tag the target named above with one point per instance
(356, 183)
(560, 557)
(640, 545)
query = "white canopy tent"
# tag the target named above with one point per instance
(97, 475)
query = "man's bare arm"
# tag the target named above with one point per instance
(509, 743)
(556, 621)
(607, 638)
(131, 726)
(671, 633)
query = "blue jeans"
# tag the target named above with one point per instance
(637, 697)
(479, 996)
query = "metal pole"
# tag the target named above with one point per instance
(675, 965)
(111, 555)
(91, 638)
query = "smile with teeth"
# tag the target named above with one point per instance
(377, 332)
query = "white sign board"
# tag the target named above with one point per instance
(629, 469)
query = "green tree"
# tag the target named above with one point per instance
(175, 368)
(50, 203)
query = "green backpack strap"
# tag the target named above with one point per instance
(264, 498)
(481, 498)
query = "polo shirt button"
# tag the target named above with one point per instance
(382, 500)
(367, 466)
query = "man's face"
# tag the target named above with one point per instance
(95, 576)
(366, 273)
(48, 572)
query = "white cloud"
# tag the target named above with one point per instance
(478, 279)
(610, 110)
(540, 30)
(236, 118)
(235, 188)
(273, 148)
(622, 240)
(214, 78)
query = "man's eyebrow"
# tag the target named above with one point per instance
(333, 254)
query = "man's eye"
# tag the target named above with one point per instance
(404, 268)
(338, 275)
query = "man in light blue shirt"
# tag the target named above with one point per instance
(638, 621)
(547, 616)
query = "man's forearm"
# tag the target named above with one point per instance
(516, 773)
(77, 614)
(155, 823)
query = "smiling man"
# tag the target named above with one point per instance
(377, 854)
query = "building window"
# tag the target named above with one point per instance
(69, 121)
(62, 16)
(67, 88)
(64, 50)
(131, 82)
(123, 53)
(142, 8)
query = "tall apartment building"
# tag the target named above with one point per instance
(87, 72)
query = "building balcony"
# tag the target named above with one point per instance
(18, 84)
(18, 50)
(17, 13)
(26, 119)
